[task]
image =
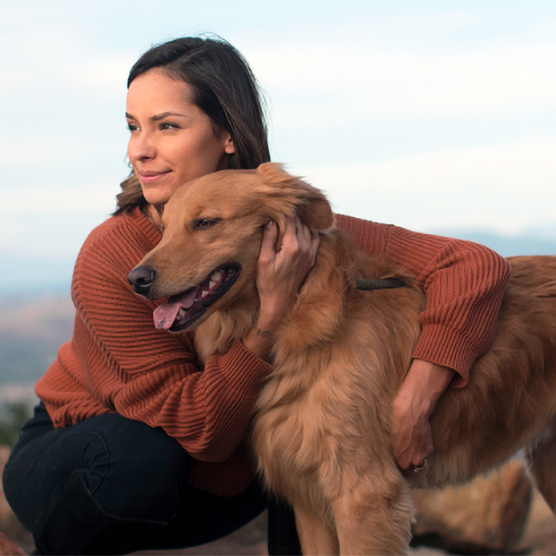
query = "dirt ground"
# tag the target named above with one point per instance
(540, 533)
(539, 538)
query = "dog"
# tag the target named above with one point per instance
(321, 432)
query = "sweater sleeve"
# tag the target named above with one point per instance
(151, 375)
(463, 284)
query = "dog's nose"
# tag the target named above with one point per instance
(142, 278)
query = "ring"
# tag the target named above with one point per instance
(420, 468)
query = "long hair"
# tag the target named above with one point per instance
(223, 87)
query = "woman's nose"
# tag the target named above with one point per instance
(141, 147)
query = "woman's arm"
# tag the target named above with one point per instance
(463, 283)
(118, 361)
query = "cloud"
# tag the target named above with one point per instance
(505, 187)
(60, 198)
(60, 152)
(409, 63)
(378, 84)
(61, 62)
(54, 54)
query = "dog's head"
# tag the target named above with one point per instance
(208, 255)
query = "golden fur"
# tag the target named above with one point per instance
(321, 430)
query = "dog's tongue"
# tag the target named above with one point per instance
(165, 315)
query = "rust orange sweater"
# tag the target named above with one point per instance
(117, 361)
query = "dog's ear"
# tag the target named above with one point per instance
(307, 201)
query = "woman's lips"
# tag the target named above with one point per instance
(151, 177)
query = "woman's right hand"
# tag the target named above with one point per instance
(281, 274)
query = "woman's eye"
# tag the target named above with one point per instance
(132, 127)
(167, 125)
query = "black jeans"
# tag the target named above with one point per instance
(111, 485)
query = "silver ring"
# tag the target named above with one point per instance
(420, 468)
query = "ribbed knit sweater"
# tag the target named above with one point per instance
(117, 361)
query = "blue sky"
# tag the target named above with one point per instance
(434, 115)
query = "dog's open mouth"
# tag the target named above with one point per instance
(183, 309)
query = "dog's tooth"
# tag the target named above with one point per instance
(205, 293)
(181, 312)
(212, 284)
(216, 275)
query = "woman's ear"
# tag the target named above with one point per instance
(229, 147)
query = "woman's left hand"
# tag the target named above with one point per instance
(411, 433)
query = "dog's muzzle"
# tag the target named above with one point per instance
(142, 278)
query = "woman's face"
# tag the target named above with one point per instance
(172, 141)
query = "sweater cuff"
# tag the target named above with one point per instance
(447, 347)
(253, 367)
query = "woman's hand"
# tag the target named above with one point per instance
(281, 274)
(411, 433)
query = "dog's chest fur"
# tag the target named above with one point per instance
(326, 405)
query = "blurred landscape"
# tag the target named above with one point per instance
(32, 328)
(36, 311)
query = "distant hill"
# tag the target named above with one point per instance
(32, 328)
(509, 246)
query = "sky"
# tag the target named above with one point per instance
(439, 116)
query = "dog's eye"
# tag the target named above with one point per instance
(205, 223)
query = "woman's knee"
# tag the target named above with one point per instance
(74, 523)
(148, 472)
(37, 468)
(130, 469)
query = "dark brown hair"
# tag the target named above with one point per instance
(223, 87)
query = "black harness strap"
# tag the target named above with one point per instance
(385, 284)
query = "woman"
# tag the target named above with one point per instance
(136, 447)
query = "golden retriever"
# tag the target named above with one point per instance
(321, 429)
